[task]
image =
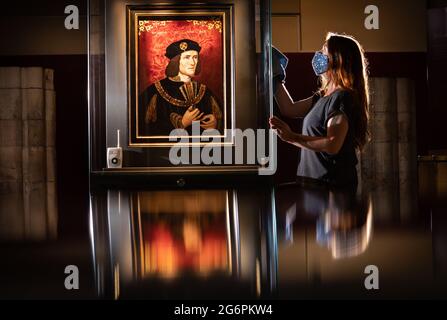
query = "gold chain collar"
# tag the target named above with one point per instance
(189, 92)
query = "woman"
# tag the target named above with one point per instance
(335, 122)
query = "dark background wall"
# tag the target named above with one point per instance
(37, 37)
(32, 33)
(437, 66)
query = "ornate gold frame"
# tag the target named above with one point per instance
(133, 14)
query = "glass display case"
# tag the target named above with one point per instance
(185, 86)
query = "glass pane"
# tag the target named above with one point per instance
(139, 88)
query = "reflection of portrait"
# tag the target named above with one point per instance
(174, 244)
(183, 232)
(177, 100)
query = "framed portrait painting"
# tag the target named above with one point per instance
(180, 74)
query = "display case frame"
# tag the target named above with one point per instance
(247, 86)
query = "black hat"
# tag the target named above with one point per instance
(181, 46)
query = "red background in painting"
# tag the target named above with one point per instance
(152, 48)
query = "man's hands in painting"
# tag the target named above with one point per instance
(190, 115)
(208, 122)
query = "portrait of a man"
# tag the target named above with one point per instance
(177, 100)
(180, 77)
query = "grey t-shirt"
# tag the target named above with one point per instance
(339, 169)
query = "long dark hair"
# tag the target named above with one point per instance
(349, 70)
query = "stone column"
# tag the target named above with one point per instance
(50, 145)
(406, 117)
(389, 162)
(11, 188)
(380, 172)
(33, 152)
(27, 154)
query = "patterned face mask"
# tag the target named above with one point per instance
(320, 63)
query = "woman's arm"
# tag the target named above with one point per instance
(288, 107)
(336, 133)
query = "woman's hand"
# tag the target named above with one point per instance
(190, 115)
(208, 122)
(283, 130)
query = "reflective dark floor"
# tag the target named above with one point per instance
(288, 242)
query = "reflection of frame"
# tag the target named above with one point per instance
(189, 233)
(179, 73)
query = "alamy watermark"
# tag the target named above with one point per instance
(372, 280)
(72, 280)
(372, 20)
(72, 20)
(209, 148)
